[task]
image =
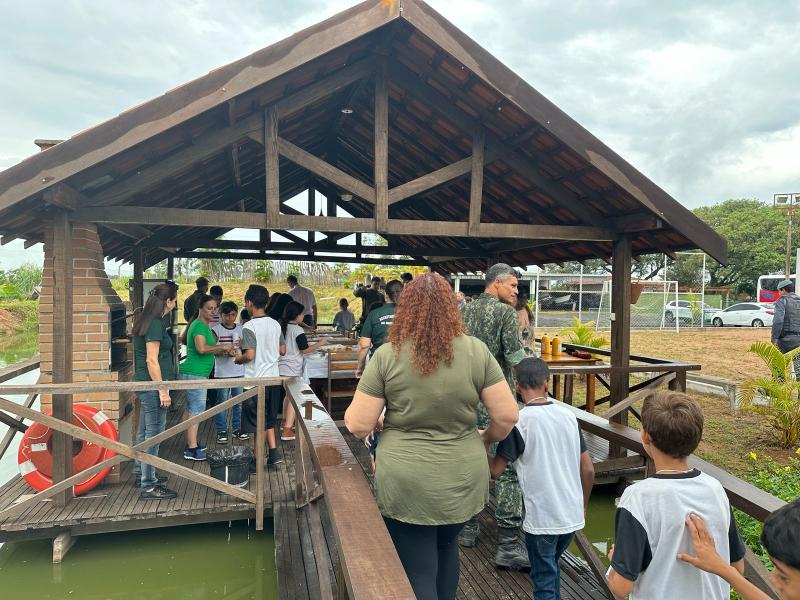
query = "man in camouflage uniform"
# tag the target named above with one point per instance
(492, 319)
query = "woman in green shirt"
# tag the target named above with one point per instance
(153, 361)
(201, 346)
(431, 470)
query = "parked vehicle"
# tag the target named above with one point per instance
(682, 309)
(768, 287)
(744, 314)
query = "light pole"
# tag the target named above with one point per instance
(788, 202)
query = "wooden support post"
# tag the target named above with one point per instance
(62, 348)
(620, 328)
(381, 151)
(476, 185)
(679, 382)
(271, 158)
(137, 291)
(61, 545)
(260, 438)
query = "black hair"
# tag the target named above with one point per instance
(406, 277)
(531, 373)
(154, 307)
(201, 282)
(343, 303)
(376, 278)
(393, 289)
(258, 295)
(781, 534)
(276, 310)
(292, 279)
(244, 316)
(216, 290)
(228, 307)
(292, 310)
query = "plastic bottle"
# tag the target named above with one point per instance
(545, 344)
(556, 345)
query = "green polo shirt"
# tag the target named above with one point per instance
(196, 363)
(157, 332)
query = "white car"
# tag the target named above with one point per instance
(744, 314)
(684, 311)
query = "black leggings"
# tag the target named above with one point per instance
(429, 554)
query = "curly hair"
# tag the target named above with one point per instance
(427, 317)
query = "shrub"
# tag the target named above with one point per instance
(780, 391)
(584, 334)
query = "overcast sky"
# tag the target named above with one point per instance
(701, 96)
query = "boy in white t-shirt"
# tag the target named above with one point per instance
(262, 346)
(228, 331)
(555, 473)
(651, 515)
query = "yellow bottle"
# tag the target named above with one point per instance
(545, 344)
(556, 346)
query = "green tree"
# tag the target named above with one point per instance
(756, 235)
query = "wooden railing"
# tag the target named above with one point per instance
(136, 452)
(369, 566)
(16, 425)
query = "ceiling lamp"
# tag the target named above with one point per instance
(346, 197)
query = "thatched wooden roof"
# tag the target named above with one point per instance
(200, 146)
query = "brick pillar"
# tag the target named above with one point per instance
(93, 301)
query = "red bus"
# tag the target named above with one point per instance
(768, 287)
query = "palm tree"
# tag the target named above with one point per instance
(781, 391)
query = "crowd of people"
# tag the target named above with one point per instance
(455, 394)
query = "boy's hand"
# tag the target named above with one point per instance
(705, 550)
(611, 553)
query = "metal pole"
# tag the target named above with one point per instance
(677, 309)
(703, 293)
(790, 214)
(580, 296)
(536, 306)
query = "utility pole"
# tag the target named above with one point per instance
(788, 202)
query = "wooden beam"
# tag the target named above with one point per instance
(381, 140)
(178, 217)
(8, 238)
(301, 257)
(236, 170)
(135, 232)
(137, 293)
(476, 183)
(62, 347)
(271, 166)
(30, 243)
(326, 170)
(62, 196)
(430, 180)
(620, 328)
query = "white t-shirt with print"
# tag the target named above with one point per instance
(262, 334)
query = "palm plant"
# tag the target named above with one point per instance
(781, 391)
(584, 334)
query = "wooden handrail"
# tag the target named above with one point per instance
(136, 386)
(370, 566)
(19, 368)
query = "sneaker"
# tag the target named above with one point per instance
(222, 437)
(287, 434)
(274, 457)
(157, 492)
(198, 453)
(241, 436)
(159, 480)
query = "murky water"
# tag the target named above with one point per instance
(599, 527)
(196, 562)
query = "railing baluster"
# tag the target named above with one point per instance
(260, 435)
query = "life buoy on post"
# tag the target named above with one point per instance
(35, 455)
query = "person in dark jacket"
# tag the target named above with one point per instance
(786, 321)
(190, 305)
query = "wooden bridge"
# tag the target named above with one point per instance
(329, 536)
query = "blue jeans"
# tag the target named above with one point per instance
(195, 399)
(152, 421)
(544, 552)
(221, 420)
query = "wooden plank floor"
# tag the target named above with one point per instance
(117, 507)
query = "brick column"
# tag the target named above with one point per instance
(93, 300)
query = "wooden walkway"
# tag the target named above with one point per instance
(117, 507)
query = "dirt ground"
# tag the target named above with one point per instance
(721, 352)
(8, 323)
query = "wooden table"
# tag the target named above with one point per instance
(567, 360)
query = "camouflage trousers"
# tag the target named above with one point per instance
(510, 510)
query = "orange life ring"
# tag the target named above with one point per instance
(35, 455)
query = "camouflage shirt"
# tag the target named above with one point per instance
(497, 326)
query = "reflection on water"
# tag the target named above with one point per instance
(175, 563)
(599, 527)
(18, 347)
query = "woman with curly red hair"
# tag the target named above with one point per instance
(432, 473)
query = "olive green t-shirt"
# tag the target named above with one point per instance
(431, 463)
(196, 363)
(156, 332)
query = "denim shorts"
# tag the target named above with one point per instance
(195, 399)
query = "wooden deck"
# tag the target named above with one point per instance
(117, 507)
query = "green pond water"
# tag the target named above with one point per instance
(222, 560)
